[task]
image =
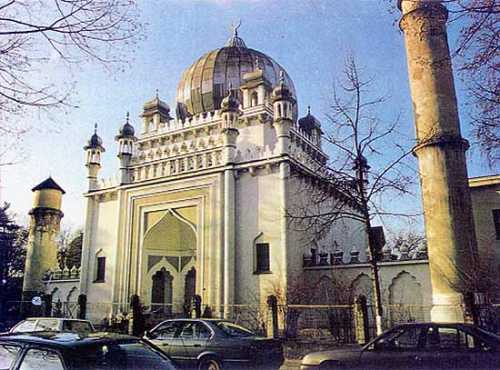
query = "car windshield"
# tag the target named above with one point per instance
(126, 356)
(234, 330)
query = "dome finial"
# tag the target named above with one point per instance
(127, 117)
(95, 128)
(235, 40)
(157, 94)
(308, 110)
(235, 28)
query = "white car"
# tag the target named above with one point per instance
(33, 324)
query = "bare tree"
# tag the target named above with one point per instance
(411, 239)
(349, 187)
(35, 34)
(476, 53)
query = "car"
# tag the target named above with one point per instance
(74, 351)
(211, 344)
(32, 324)
(416, 346)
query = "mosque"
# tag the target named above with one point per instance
(199, 204)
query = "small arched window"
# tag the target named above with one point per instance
(254, 99)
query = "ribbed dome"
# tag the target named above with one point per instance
(204, 84)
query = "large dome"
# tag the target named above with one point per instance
(204, 84)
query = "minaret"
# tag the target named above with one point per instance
(283, 102)
(230, 113)
(125, 138)
(93, 149)
(440, 151)
(44, 226)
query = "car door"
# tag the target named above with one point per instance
(195, 336)
(399, 348)
(164, 337)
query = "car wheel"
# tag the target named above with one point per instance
(209, 363)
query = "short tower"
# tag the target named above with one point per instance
(93, 151)
(283, 107)
(125, 138)
(44, 226)
(156, 113)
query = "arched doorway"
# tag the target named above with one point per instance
(161, 292)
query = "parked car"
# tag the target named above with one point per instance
(416, 346)
(210, 344)
(52, 324)
(73, 351)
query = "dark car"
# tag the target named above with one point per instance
(416, 346)
(32, 324)
(72, 351)
(209, 344)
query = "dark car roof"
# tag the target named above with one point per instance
(67, 340)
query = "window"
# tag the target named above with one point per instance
(262, 257)
(25, 326)
(403, 339)
(37, 359)
(47, 324)
(100, 269)
(168, 330)
(496, 221)
(8, 355)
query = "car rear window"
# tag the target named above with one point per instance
(234, 330)
(24, 326)
(78, 326)
(8, 355)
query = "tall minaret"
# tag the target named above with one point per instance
(126, 139)
(441, 155)
(93, 151)
(44, 226)
(230, 113)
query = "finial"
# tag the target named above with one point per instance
(235, 28)
(95, 128)
(127, 117)
(257, 63)
(308, 110)
(156, 93)
(282, 76)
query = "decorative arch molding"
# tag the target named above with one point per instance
(356, 287)
(405, 299)
(401, 275)
(171, 211)
(168, 232)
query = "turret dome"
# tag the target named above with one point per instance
(206, 82)
(95, 141)
(127, 130)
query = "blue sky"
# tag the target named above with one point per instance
(310, 39)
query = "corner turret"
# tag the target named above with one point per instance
(93, 150)
(125, 138)
(283, 105)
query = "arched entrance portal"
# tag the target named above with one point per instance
(170, 263)
(162, 292)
